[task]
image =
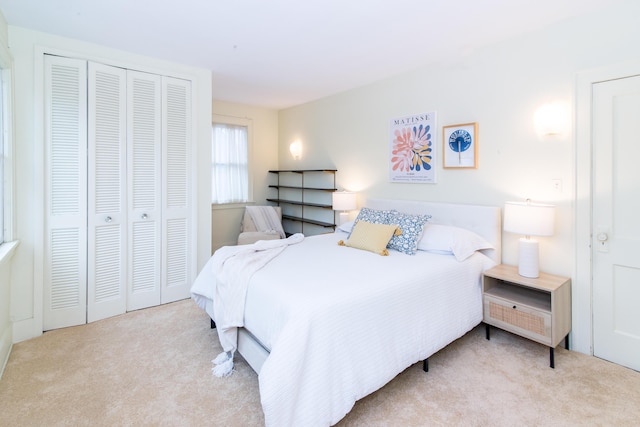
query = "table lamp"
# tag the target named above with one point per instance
(530, 219)
(343, 201)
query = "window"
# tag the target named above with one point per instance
(6, 148)
(230, 163)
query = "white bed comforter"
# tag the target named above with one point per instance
(341, 322)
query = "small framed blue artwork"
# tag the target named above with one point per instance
(460, 146)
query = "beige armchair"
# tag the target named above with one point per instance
(249, 234)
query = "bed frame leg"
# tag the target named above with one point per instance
(213, 324)
(425, 365)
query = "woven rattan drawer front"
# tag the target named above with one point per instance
(524, 320)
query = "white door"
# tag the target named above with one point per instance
(178, 260)
(65, 240)
(107, 214)
(119, 191)
(144, 171)
(616, 221)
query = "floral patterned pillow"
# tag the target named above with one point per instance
(374, 216)
(411, 227)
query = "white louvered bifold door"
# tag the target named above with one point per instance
(144, 147)
(107, 226)
(177, 251)
(65, 240)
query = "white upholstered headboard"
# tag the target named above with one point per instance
(483, 220)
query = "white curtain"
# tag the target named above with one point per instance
(230, 171)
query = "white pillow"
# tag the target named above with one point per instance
(449, 239)
(346, 227)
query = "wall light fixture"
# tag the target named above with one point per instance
(296, 149)
(551, 120)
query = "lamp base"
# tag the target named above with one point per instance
(528, 258)
(343, 217)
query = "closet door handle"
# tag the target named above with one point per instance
(144, 216)
(107, 219)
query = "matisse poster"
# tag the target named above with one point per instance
(412, 149)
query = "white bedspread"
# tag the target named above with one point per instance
(341, 322)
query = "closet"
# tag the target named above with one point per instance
(118, 225)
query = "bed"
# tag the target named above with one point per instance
(325, 325)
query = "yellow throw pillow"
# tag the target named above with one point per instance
(371, 237)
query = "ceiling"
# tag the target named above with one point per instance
(280, 53)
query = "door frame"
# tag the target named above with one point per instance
(582, 310)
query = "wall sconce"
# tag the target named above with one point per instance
(551, 120)
(296, 149)
(529, 219)
(343, 201)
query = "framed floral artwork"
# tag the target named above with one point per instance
(413, 149)
(460, 146)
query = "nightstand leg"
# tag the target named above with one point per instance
(551, 361)
(425, 365)
(487, 330)
(566, 342)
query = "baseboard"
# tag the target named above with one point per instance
(25, 330)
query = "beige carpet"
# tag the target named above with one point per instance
(152, 367)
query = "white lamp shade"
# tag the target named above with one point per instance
(529, 219)
(343, 201)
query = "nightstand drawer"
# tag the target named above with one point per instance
(521, 319)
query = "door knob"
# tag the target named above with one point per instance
(107, 219)
(144, 216)
(602, 237)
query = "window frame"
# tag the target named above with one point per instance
(248, 123)
(8, 166)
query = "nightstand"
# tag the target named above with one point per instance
(538, 309)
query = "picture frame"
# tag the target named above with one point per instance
(460, 146)
(413, 149)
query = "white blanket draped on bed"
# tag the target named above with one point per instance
(233, 267)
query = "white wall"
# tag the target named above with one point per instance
(263, 157)
(27, 47)
(499, 87)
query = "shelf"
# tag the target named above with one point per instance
(305, 195)
(529, 297)
(308, 221)
(304, 170)
(304, 188)
(298, 203)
